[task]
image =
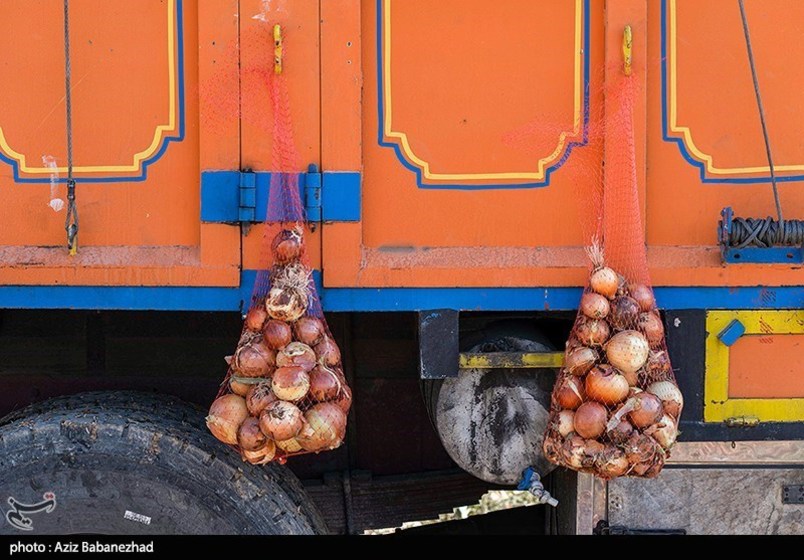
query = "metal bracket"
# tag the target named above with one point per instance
(731, 333)
(793, 494)
(767, 255)
(603, 528)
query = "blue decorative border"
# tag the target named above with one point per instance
(165, 141)
(550, 169)
(683, 148)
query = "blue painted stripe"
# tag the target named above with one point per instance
(220, 195)
(382, 299)
(475, 187)
(165, 141)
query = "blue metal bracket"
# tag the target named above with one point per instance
(312, 194)
(247, 209)
(765, 255)
(733, 331)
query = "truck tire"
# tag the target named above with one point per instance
(138, 463)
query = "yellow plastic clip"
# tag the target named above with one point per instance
(628, 43)
(277, 49)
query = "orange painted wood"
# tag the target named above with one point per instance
(767, 366)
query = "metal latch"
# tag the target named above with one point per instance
(742, 421)
(603, 528)
(793, 494)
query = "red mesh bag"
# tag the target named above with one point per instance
(285, 392)
(615, 406)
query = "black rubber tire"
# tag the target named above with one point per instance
(107, 453)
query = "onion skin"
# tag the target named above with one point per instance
(309, 330)
(325, 384)
(565, 422)
(286, 304)
(328, 352)
(249, 436)
(624, 313)
(281, 421)
(287, 246)
(648, 410)
(632, 377)
(326, 427)
(594, 306)
(628, 351)
(254, 359)
(652, 327)
(296, 354)
(573, 452)
(344, 402)
(238, 388)
(590, 420)
(611, 463)
(604, 281)
(622, 432)
(255, 318)
(643, 295)
(606, 385)
(276, 334)
(290, 383)
(658, 365)
(258, 397)
(262, 456)
(642, 449)
(592, 332)
(289, 446)
(580, 360)
(570, 393)
(225, 416)
(670, 395)
(664, 432)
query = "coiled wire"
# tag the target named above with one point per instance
(767, 232)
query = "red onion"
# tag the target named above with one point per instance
(296, 354)
(647, 410)
(225, 416)
(643, 296)
(309, 330)
(258, 397)
(570, 393)
(255, 318)
(606, 385)
(594, 306)
(254, 359)
(326, 427)
(328, 352)
(580, 360)
(249, 436)
(592, 332)
(590, 419)
(261, 456)
(651, 326)
(286, 304)
(627, 351)
(290, 383)
(325, 383)
(281, 420)
(624, 313)
(287, 245)
(276, 334)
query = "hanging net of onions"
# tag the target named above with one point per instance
(616, 405)
(284, 392)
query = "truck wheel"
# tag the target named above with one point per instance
(137, 463)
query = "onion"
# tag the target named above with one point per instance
(325, 383)
(261, 456)
(641, 449)
(286, 304)
(606, 385)
(574, 452)
(565, 422)
(258, 397)
(570, 393)
(238, 388)
(594, 306)
(296, 354)
(621, 432)
(290, 383)
(592, 332)
(225, 416)
(255, 318)
(345, 400)
(627, 351)
(254, 359)
(632, 377)
(249, 436)
(624, 313)
(604, 281)
(326, 427)
(328, 352)
(276, 334)
(658, 364)
(611, 463)
(289, 446)
(309, 330)
(287, 245)
(670, 395)
(651, 326)
(664, 432)
(647, 410)
(643, 296)
(590, 419)
(281, 420)
(580, 360)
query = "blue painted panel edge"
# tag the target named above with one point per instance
(341, 196)
(764, 255)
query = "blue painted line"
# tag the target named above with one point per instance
(469, 187)
(680, 142)
(165, 141)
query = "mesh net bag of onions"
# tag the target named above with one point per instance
(615, 406)
(285, 392)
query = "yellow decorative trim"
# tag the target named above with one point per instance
(684, 131)
(510, 176)
(138, 157)
(718, 407)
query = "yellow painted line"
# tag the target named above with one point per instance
(425, 166)
(498, 360)
(138, 157)
(707, 159)
(718, 407)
